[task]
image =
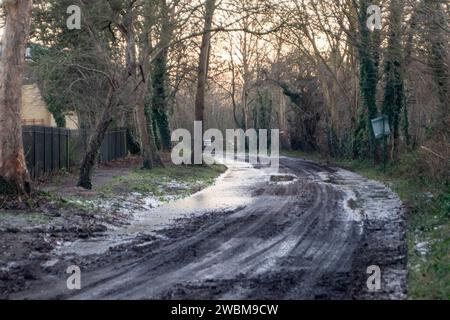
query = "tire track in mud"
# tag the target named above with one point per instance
(295, 240)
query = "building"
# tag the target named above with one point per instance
(34, 109)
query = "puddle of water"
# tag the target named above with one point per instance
(378, 202)
(232, 190)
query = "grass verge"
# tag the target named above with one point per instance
(178, 181)
(428, 230)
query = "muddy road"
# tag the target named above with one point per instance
(309, 232)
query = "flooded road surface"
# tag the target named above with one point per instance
(308, 232)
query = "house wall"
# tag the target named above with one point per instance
(72, 121)
(34, 110)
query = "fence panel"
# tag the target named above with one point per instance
(113, 146)
(39, 147)
(64, 147)
(56, 154)
(29, 149)
(50, 149)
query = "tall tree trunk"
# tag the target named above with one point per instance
(246, 76)
(149, 150)
(368, 80)
(394, 91)
(102, 125)
(150, 153)
(202, 72)
(14, 176)
(159, 80)
(140, 74)
(437, 41)
(143, 129)
(95, 142)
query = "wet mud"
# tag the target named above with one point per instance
(309, 234)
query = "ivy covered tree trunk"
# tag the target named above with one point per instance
(14, 176)
(149, 150)
(436, 26)
(143, 129)
(159, 83)
(368, 81)
(394, 91)
(159, 101)
(139, 73)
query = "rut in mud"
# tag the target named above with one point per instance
(309, 234)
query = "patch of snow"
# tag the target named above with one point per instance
(422, 248)
(50, 263)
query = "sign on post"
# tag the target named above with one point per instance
(381, 127)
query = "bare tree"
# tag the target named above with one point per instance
(14, 177)
(202, 74)
(114, 81)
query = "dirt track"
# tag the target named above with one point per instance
(250, 238)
